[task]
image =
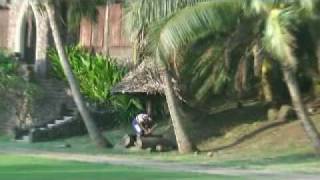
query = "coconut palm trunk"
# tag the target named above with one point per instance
(93, 130)
(309, 126)
(318, 53)
(265, 82)
(314, 26)
(266, 87)
(182, 138)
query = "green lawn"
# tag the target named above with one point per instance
(293, 159)
(28, 168)
(284, 148)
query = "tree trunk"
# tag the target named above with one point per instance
(262, 69)
(93, 131)
(183, 141)
(149, 107)
(314, 26)
(266, 88)
(318, 53)
(106, 41)
(300, 109)
(135, 52)
(153, 141)
(265, 82)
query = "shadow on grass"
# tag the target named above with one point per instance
(249, 135)
(218, 124)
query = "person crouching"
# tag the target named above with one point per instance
(142, 125)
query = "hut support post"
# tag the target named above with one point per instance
(149, 107)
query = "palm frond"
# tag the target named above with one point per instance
(308, 5)
(278, 38)
(187, 24)
(141, 13)
(260, 6)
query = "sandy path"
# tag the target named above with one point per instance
(172, 166)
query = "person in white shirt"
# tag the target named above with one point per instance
(142, 124)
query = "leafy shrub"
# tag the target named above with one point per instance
(13, 89)
(7, 65)
(8, 74)
(97, 75)
(10, 79)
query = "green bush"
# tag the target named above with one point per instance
(97, 75)
(9, 80)
(13, 89)
(7, 65)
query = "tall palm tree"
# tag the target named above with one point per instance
(278, 18)
(184, 143)
(140, 15)
(277, 24)
(93, 130)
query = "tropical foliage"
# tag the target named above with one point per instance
(10, 79)
(210, 46)
(14, 88)
(97, 74)
(264, 31)
(8, 66)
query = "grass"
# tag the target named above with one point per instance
(291, 159)
(29, 168)
(282, 148)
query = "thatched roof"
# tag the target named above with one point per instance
(144, 79)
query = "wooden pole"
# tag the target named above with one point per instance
(149, 107)
(106, 40)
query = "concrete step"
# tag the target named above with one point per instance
(59, 121)
(24, 139)
(68, 126)
(72, 112)
(57, 96)
(47, 86)
(68, 118)
(49, 89)
(51, 125)
(56, 92)
(49, 81)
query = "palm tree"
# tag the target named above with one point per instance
(277, 17)
(140, 15)
(179, 124)
(93, 130)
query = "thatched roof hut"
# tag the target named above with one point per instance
(144, 79)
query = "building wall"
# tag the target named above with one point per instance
(4, 29)
(9, 14)
(92, 34)
(15, 8)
